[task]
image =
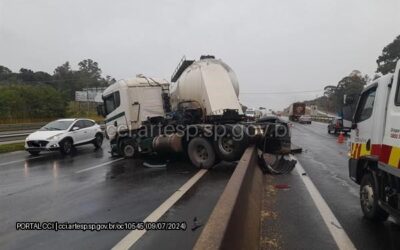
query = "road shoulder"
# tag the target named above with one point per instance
(289, 217)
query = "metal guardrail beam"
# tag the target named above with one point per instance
(235, 221)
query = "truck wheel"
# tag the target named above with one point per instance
(66, 146)
(98, 140)
(369, 200)
(201, 153)
(228, 148)
(128, 149)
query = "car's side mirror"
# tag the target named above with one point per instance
(75, 128)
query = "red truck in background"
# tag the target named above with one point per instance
(296, 110)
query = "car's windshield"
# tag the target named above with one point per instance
(57, 125)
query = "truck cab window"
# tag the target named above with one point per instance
(111, 102)
(366, 106)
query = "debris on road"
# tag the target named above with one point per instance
(155, 163)
(275, 164)
(282, 186)
(196, 224)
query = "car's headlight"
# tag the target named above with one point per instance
(54, 137)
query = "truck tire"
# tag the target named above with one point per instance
(228, 148)
(127, 148)
(66, 146)
(201, 153)
(369, 199)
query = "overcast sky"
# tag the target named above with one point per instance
(274, 46)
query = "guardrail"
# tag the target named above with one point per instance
(21, 126)
(321, 119)
(235, 221)
(14, 136)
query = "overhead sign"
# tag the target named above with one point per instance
(88, 96)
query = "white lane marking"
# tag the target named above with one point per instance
(339, 235)
(97, 166)
(132, 237)
(16, 161)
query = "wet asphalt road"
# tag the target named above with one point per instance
(92, 187)
(293, 222)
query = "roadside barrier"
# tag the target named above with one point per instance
(235, 221)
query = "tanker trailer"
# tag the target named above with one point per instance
(208, 84)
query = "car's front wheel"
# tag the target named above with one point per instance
(98, 140)
(66, 147)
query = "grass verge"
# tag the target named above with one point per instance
(5, 148)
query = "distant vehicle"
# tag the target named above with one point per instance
(296, 110)
(305, 119)
(336, 125)
(253, 114)
(375, 148)
(250, 114)
(64, 135)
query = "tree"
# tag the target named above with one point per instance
(63, 70)
(26, 75)
(390, 55)
(350, 87)
(64, 80)
(90, 75)
(5, 73)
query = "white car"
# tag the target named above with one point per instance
(64, 135)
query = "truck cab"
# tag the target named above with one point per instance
(375, 147)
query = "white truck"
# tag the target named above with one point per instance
(199, 114)
(375, 147)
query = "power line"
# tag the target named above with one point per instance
(281, 93)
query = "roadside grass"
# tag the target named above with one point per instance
(6, 148)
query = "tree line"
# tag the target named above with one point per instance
(29, 94)
(345, 94)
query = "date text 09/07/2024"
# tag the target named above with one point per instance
(59, 226)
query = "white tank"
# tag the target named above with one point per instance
(209, 82)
